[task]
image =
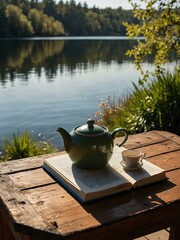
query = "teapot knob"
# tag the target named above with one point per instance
(90, 123)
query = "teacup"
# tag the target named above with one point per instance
(132, 158)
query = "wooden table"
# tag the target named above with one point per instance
(34, 206)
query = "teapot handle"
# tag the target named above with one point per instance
(120, 130)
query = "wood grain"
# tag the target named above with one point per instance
(36, 207)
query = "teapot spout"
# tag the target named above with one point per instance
(67, 139)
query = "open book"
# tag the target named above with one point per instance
(88, 185)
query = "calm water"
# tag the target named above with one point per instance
(45, 84)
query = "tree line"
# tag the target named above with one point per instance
(29, 18)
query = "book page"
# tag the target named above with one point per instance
(148, 173)
(110, 179)
(87, 180)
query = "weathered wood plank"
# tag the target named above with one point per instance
(39, 208)
(130, 228)
(1, 227)
(22, 213)
(160, 235)
(19, 236)
(171, 136)
(150, 138)
(5, 232)
(175, 232)
(167, 161)
(24, 163)
(52, 202)
(143, 139)
(160, 148)
(141, 238)
(31, 178)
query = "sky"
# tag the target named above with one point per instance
(105, 3)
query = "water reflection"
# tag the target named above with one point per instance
(22, 56)
(45, 83)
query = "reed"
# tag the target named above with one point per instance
(155, 105)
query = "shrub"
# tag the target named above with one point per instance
(154, 106)
(24, 146)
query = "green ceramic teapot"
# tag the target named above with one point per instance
(90, 146)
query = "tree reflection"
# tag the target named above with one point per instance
(24, 56)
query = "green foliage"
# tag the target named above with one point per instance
(159, 23)
(45, 25)
(18, 23)
(35, 17)
(154, 106)
(52, 18)
(24, 146)
(92, 21)
(3, 20)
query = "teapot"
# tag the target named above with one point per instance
(90, 146)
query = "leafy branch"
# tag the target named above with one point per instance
(160, 25)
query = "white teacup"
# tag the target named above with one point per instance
(132, 158)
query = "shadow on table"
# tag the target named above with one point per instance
(130, 202)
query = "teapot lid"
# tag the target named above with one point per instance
(91, 130)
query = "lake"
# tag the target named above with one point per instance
(53, 82)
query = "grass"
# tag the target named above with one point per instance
(155, 105)
(24, 146)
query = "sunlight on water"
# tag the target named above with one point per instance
(67, 101)
(41, 103)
